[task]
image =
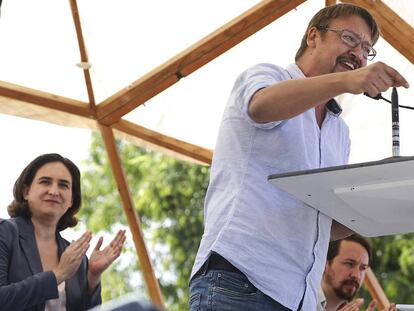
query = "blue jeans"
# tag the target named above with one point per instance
(227, 291)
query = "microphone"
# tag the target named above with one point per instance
(395, 119)
(395, 123)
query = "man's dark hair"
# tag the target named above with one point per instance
(333, 249)
(20, 207)
(325, 15)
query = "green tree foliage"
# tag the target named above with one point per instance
(168, 194)
(393, 265)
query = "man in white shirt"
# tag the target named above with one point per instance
(262, 249)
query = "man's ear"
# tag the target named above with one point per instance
(313, 35)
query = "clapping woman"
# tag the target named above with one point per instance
(39, 270)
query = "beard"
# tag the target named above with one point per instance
(344, 290)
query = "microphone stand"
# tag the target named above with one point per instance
(395, 123)
(395, 119)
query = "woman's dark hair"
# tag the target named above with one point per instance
(325, 15)
(20, 207)
(333, 249)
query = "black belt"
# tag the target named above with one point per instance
(216, 261)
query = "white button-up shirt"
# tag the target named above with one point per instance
(277, 241)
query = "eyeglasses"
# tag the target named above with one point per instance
(353, 40)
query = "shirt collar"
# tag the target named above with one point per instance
(295, 72)
(322, 298)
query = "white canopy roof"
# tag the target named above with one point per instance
(126, 40)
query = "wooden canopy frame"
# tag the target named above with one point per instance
(107, 115)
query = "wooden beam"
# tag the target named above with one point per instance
(132, 216)
(376, 291)
(394, 29)
(44, 99)
(199, 54)
(189, 150)
(83, 54)
(70, 116)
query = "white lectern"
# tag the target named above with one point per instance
(372, 198)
